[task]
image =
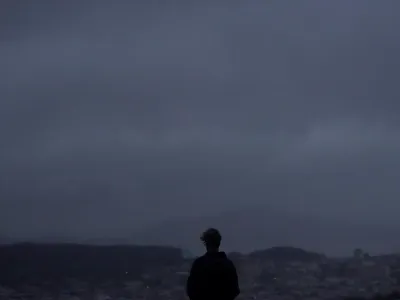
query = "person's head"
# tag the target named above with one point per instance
(211, 238)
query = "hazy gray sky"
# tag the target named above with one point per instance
(118, 114)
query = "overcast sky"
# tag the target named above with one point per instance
(123, 113)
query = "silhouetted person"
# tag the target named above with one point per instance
(212, 276)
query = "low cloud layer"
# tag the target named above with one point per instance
(116, 116)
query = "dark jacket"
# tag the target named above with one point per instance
(213, 277)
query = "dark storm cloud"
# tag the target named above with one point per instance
(124, 114)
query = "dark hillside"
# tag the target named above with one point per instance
(287, 254)
(42, 262)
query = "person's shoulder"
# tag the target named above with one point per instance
(232, 265)
(230, 260)
(229, 263)
(199, 260)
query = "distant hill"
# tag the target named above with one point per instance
(41, 262)
(287, 254)
(259, 228)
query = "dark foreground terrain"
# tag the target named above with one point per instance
(391, 296)
(27, 262)
(66, 271)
